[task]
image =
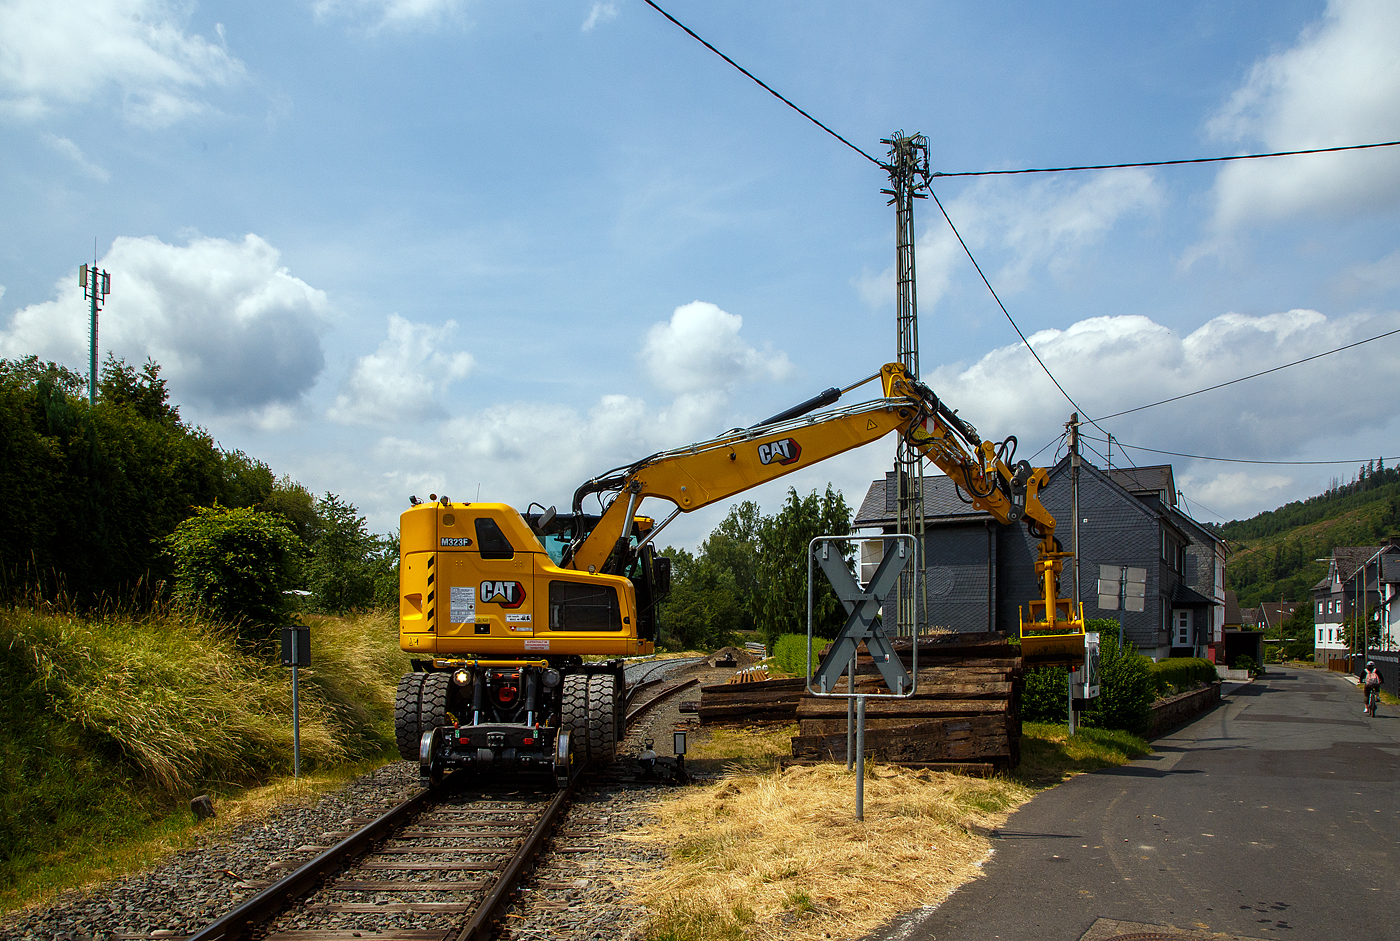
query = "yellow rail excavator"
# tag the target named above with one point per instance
(500, 609)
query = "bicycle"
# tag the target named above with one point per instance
(1373, 696)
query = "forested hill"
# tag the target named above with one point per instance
(1275, 553)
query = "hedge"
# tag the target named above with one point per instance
(1179, 674)
(790, 653)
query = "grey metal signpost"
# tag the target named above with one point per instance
(296, 652)
(863, 625)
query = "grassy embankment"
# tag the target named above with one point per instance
(768, 853)
(109, 725)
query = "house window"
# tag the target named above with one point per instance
(1319, 608)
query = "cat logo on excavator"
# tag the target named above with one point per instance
(505, 594)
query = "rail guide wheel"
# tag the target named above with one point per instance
(563, 758)
(430, 768)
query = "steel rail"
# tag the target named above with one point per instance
(479, 927)
(240, 921)
(660, 697)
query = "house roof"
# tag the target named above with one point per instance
(1274, 613)
(1185, 596)
(941, 503)
(1351, 558)
(1232, 608)
(1156, 478)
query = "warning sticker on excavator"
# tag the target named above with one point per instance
(535, 644)
(518, 618)
(463, 605)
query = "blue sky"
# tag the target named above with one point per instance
(402, 246)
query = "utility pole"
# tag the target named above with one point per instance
(908, 161)
(1074, 496)
(96, 286)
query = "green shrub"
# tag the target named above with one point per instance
(234, 565)
(1244, 662)
(1045, 697)
(1180, 674)
(790, 653)
(1125, 688)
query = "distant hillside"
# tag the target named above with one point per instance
(1275, 553)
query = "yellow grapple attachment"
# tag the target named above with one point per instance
(1054, 633)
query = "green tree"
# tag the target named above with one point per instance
(782, 565)
(342, 568)
(733, 547)
(704, 609)
(235, 564)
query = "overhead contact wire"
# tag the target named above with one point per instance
(1170, 163)
(762, 84)
(1256, 375)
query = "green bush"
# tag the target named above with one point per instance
(1045, 697)
(1180, 674)
(1125, 688)
(1244, 662)
(790, 653)
(234, 565)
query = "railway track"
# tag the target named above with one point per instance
(442, 865)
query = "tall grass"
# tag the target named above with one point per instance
(108, 723)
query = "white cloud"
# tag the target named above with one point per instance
(71, 150)
(600, 13)
(1235, 494)
(1339, 84)
(54, 54)
(403, 379)
(699, 350)
(1046, 224)
(230, 327)
(1112, 363)
(391, 14)
(531, 450)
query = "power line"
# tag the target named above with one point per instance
(1256, 375)
(762, 84)
(1170, 163)
(1239, 460)
(939, 203)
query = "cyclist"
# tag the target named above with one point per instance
(1371, 682)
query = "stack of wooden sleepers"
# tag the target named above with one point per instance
(966, 713)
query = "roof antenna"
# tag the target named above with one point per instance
(478, 491)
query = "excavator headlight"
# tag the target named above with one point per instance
(550, 678)
(462, 677)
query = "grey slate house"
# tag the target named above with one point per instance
(980, 574)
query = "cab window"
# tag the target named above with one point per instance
(492, 542)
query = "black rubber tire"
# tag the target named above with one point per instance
(407, 734)
(602, 718)
(573, 713)
(433, 706)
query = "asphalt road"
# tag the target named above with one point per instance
(1277, 815)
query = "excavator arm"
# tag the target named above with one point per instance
(713, 470)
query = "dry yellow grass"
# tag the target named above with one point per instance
(781, 855)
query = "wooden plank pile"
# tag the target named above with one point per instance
(967, 710)
(765, 701)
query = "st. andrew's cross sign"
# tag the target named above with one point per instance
(863, 622)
